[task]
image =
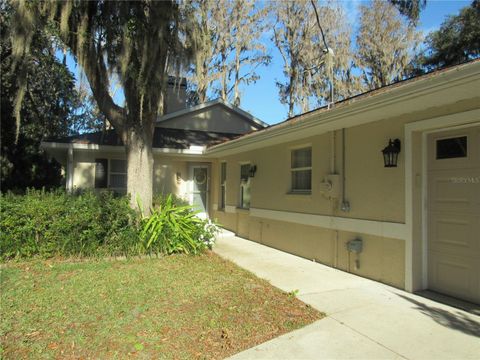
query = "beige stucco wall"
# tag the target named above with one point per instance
(83, 174)
(165, 180)
(84, 167)
(382, 258)
(217, 118)
(375, 193)
(165, 170)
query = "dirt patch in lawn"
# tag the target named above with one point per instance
(171, 307)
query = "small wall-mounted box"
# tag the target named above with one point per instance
(330, 187)
(355, 245)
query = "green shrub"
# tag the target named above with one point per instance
(55, 223)
(160, 199)
(87, 224)
(176, 229)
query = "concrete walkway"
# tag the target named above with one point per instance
(365, 319)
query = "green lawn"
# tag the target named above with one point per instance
(173, 307)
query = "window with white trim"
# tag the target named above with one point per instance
(118, 174)
(301, 170)
(223, 184)
(245, 182)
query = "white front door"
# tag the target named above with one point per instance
(454, 213)
(199, 188)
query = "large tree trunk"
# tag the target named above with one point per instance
(140, 168)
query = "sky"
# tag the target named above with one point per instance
(261, 98)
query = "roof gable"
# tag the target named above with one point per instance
(215, 115)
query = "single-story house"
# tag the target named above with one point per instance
(385, 185)
(181, 137)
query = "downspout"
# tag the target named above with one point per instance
(345, 207)
(333, 160)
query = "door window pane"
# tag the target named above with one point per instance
(452, 148)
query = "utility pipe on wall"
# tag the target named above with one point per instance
(345, 204)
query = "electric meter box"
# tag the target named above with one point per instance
(355, 245)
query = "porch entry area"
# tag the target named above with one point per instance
(453, 213)
(198, 190)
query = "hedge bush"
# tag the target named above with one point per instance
(59, 224)
(89, 224)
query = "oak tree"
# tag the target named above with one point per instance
(141, 42)
(386, 44)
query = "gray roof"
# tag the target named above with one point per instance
(162, 138)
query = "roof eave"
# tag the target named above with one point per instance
(192, 151)
(343, 115)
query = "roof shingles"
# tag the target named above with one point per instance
(162, 138)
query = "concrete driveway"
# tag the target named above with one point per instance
(365, 319)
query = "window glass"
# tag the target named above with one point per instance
(245, 182)
(223, 175)
(452, 148)
(301, 170)
(302, 180)
(118, 166)
(244, 171)
(118, 174)
(302, 158)
(118, 181)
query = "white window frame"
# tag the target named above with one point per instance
(297, 169)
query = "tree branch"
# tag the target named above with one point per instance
(96, 72)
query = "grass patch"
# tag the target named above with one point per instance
(173, 307)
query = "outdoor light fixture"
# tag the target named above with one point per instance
(390, 153)
(253, 170)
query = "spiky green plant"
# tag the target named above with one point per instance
(172, 229)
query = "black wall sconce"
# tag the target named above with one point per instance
(253, 170)
(390, 153)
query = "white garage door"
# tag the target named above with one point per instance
(454, 213)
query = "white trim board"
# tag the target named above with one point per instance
(447, 122)
(369, 227)
(193, 150)
(230, 209)
(345, 115)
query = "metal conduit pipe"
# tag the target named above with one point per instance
(345, 207)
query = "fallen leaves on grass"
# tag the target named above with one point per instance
(172, 307)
